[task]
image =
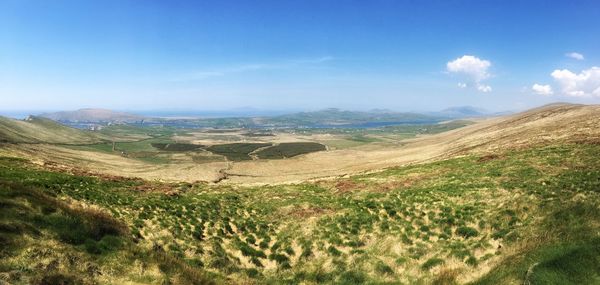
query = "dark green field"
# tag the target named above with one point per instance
(236, 151)
(287, 150)
(176, 146)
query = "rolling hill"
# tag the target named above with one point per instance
(42, 130)
(510, 200)
(552, 123)
(93, 116)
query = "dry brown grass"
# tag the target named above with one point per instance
(447, 276)
(554, 123)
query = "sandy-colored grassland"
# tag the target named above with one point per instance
(549, 123)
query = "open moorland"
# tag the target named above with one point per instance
(505, 200)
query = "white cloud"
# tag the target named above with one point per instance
(288, 64)
(470, 65)
(484, 88)
(542, 89)
(586, 83)
(473, 68)
(575, 55)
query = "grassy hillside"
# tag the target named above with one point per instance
(522, 215)
(93, 115)
(41, 130)
(47, 239)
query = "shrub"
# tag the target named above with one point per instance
(334, 251)
(195, 262)
(251, 240)
(472, 261)
(279, 258)
(198, 233)
(289, 250)
(467, 232)
(69, 229)
(400, 260)
(106, 244)
(306, 251)
(252, 272)
(249, 251)
(263, 244)
(383, 268)
(254, 260)
(352, 277)
(431, 263)
(58, 278)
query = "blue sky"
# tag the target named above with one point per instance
(297, 55)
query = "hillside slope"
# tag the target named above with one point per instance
(45, 239)
(549, 124)
(41, 130)
(555, 123)
(478, 219)
(92, 115)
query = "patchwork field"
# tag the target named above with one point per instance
(169, 154)
(509, 200)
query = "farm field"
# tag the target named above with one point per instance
(287, 150)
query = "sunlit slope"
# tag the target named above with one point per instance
(557, 123)
(548, 124)
(41, 130)
(92, 115)
(478, 218)
(47, 240)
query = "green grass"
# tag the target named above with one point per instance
(286, 150)
(570, 264)
(45, 240)
(236, 151)
(175, 146)
(145, 145)
(401, 224)
(133, 132)
(570, 253)
(371, 134)
(431, 263)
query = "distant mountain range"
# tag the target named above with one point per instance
(466, 112)
(337, 117)
(323, 118)
(462, 111)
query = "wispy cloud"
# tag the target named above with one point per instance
(575, 55)
(287, 64)
(540, 89)
(313, 60)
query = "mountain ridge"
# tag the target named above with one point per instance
(93, 115)
(36, 129)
